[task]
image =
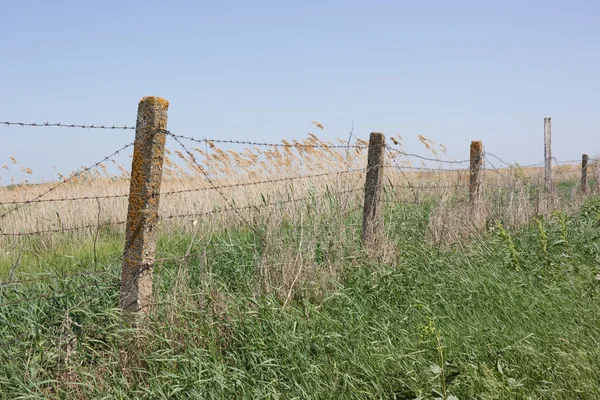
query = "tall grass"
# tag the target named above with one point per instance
(513, 315)
(497, 301)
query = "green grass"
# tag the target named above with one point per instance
(512, 315)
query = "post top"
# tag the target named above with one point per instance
(378, 135)
(476, 145)
(159, 101)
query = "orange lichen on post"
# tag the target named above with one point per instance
(153, 99)
(142, 214)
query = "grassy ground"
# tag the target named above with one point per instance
(508, 315)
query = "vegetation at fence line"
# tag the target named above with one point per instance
(252, 178)
(263, 290)
(297, 310)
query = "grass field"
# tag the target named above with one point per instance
(278, 300)
(510, 315)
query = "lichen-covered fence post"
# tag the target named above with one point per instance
(548, 153)
(474, 169)
(142, 214)
(584, 171)
(374, 180)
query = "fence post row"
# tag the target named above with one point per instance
(374, 180)
(548, 153)
(142, 213)
(584, 167)
(476, 161)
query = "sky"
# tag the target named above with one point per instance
(452, 71)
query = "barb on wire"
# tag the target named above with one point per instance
(457, 185)
(61, 125)
(65, 199)
(419, 169)
(250, 143)
(82, 171)
(400, 152)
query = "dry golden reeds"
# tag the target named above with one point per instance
(188, 186)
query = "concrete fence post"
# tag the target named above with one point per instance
(584, 173)
(374, 180)
(142, 213)
(474, 169)
(548, 153)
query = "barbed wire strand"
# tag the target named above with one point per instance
(63, 230)
(65, 199)
(420, 169)
(168, 193)
(276, 180)
(427, 158)
(566, 162)
(540, 164)
(265, 144)
(193, 158)
(64, 181)
(205, 140)
(92, 273)
(495, 170)
(486, 153)
(123, 222)
(401, 171)
(61, 125)
(252, 143)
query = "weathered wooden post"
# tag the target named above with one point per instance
(374, 180)
(584, 170)
(475, 166)
(142, 213)
(548, 153)
(596, 175)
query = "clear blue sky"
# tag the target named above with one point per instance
(453, 71)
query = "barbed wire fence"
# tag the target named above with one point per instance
(403, 183)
